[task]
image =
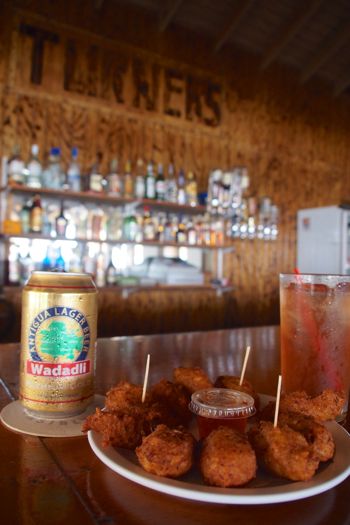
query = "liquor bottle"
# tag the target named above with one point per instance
(114, 181)
(128, 181)
(168, 230)
(96, 178)
(53, 176)
(47, 264)
(181, 185)
(26, 267)
(150, 183)
(111, 274)
(12, 221)
(46, 224)
(33, 171)
(60, 265)
(191, 189)
(36, 215)
(76, 261)
(191, 233)
(15, 167)
(214, 190)
(130, 225)
(149, 231)
(61, 222)
(100, 270)
(139, 180)
(73, 172)
(171, 185)
(181, 235)
(160, 236)
(160, 184)
(25, 216)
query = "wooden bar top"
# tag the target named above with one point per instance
(55, 480)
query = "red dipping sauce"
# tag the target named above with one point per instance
(215, 407)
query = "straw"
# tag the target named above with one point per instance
(246, 357)
(145, 381)
(318, 343)
(277, 401)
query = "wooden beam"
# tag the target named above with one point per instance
(169, 14)
(333, 43)
(342, 85)
(289, 30)
(98, 4)
(238, 15)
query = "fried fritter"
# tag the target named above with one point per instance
(167, 452)
(233, 383)
(192, 379)
(317, 435)
(175, 399)
(123, 396)
(227, 458)
(283, 451)
(324, 407)
(117, 428)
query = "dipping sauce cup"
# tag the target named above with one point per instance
(215, 407)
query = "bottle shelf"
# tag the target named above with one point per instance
(8, 236)
(127, 290)
(91, 196)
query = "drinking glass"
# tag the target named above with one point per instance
(315, 333)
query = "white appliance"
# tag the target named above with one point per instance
(323, 243)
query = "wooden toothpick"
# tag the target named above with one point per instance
(277, 401)
(145, 381)
(246, 357)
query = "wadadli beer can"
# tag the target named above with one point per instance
(58, 339)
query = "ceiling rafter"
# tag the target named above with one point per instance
(169, 14)
(98, 4)
(341, 85)
(233, 24)
(333, 43)
(289, 30)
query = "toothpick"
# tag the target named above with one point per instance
(247, 352)
(145, 381)
(277, 400)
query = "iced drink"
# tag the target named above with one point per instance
(315, 332)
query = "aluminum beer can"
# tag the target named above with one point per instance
(58, 339)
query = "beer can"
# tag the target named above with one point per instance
(58, 339)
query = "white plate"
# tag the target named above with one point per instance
(264, 489)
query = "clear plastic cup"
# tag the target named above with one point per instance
(215, 407)
(315, 333)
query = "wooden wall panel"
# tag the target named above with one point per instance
(294, 140)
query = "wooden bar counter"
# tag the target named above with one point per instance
(55, 481)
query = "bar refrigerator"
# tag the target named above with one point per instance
(323, 240)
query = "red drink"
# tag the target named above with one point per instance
(315, 332)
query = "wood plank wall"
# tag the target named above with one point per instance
(111, 82)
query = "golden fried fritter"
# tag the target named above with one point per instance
(317, 435)
(175, 399)
(227, 458)
(192, 379)
(117, 428)
(324, 407)
(167, 452)
(283, 451)
(233, 383)
(123, 396)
